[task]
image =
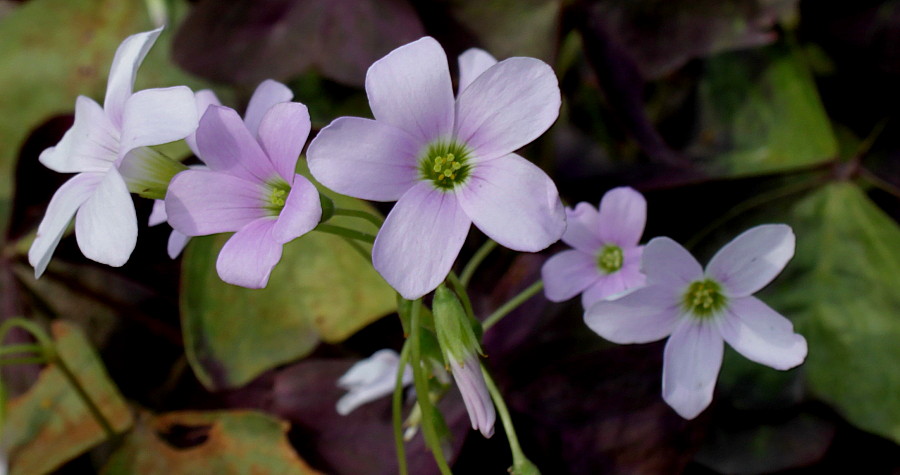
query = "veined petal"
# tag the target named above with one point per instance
(582, 228)
(227, 146)
(203, 98)
(753, 259)
(472, 63)
(567, 274)
(420, 240)
(761, 334)
(645, 315)
(507, 107)
(157, 116)
(473, 389)
(410, 89)
(364, 158)
(106, 224)
(201, 202)
(65, 202)
(301, 213)
(515, 203)
(266, 95)
(176, 244)
(91, 145)
(665, 262)
(623, 214)
(248, 257)
(691, 364)
(126, 62)
(282, 134)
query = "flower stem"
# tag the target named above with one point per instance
(359, 214)
(460, 290)
(16, 349)
(397, 406)
(475, 261)
(359, 249)
(521, 464)
(23, 360)
(344, 232)
(512, 304)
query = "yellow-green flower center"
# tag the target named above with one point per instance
(278, 191)
(445, 164)
(704, 298)
(610, 259)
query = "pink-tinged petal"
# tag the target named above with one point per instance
(158, 213)
(65, 202)
(472, 63)
(750, 261)
(201, 202)
(567, 274)
(761, 334)
(124, 67)
(691, 364)
(515, 203)
(507, 107)
(645, 315)
(282, 135)
(106, 224)
(665, 262)
(420, 240)
(301, 213)
(266, 95)
(227, 146)
(157, 116)
(582, 228)
(176, 244)
(364, 159)
(248, 257)
(623, 214)
(91, 145)
(203, 99)
(476, 397)
(410, 89)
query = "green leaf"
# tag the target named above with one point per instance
(841, 290)
(761, 113)
(50, 424)
(321, 290)
(207, 442)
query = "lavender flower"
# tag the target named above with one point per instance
(448, 163)
(606, 257)
(701, 309)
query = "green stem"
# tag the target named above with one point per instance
(344, 232)
(95, 411)
(520, 461)
(512, 304)
(23, 360)
(475, 261)
(16, 349)
(359, 214)
(397, 406)
(359, 249)
(460, 290)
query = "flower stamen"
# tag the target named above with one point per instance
(610, 259)
(445, 165)
(704, 298)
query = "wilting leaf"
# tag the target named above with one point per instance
(50, 424)
(207, 442)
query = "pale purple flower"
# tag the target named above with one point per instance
(177, 240)
(606, 257)
(250, 188)
(447, 162)
(100, 141)
(371, 379)
(470, 381)
(699, 309)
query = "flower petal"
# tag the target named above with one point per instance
(472, 63)
(301, 213)
(750, 261)
(371, 379)
(266, 95)
(567, 274)
(282, 134)
(691, 364)
(612, 285)
(176, 244)
(201, 202)
(515, 203)
(473, 389)
(248, 257)
(124, 67)
(157, 116)
(420, 240)
(106, 224)
(364, 159)
(582, 228)
(410, 89)
(65, 202)
(762, 334)
(91, 145)
(645, 315)
(158, 213)
(665, 262)
(227, 146)
(203, 99)
(507, 106)
(623, 214)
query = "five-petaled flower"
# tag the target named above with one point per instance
(606, 257)
(447, 162)
(101, 143)
(700, 309)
